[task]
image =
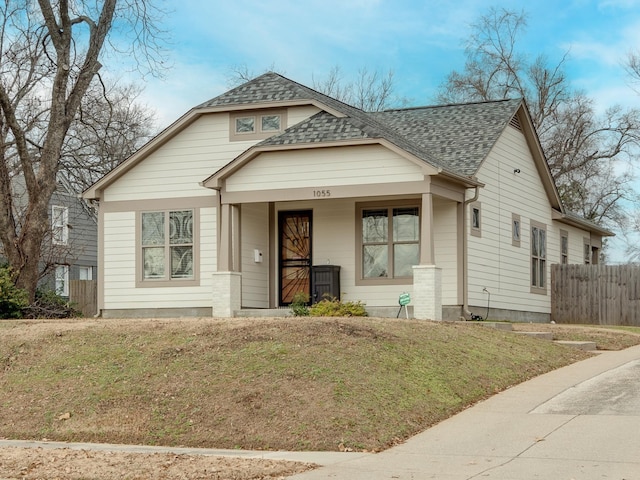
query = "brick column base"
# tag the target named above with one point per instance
(227, 293)
(427, 292)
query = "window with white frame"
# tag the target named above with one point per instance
(62, 280)
(167, 242)
(538, 258)
(85, 273)
(59, 225)
(389, 242)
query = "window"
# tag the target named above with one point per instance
(85, 273)
(538, 258)
(515, 230)
(167, 242)
(564, 247)
(59, 225)
(587, 251)
(390, 242)
(62, 280)
(476, 219)
(256, 125)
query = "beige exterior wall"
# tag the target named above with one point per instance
(254, 230)
(119, 273)
(494, 263)
(445, 229)
(192, 155)
(322, 167)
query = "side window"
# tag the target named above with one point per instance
(62, 280)
(515, 230)
(564, 247)
(538, 258)
(587, 251)
(476, 219)
(59, 225)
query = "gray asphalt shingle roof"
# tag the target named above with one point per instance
(455, 138)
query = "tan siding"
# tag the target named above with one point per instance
(494, 262)
(119, 267)
(255, 235)
(445, 227)
(298, 114)
(323, 167)
(176, 169)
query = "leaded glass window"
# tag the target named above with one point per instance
(167, 245)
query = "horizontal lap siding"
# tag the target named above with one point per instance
(120, 253)
(494, 262)
(324, 166)
(255, 235)
(445, 233)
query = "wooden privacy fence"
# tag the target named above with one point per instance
(596, 294)
(84, 295)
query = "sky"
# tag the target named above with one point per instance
(420, 41)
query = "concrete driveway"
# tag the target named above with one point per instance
(581, 422)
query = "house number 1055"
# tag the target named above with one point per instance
(321, 193)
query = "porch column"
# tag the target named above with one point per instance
(227, 281)
(427, 278)
(427, 255)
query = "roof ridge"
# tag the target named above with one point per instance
(444, 105)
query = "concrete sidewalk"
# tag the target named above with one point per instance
(580, 422)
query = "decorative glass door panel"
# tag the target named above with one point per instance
(295, 254)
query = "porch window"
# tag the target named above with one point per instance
(390, 242)
(167, 243)
(538, 258)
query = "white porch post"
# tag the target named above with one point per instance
(427, 278)
(227, 283)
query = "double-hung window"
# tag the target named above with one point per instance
(389, 243)
(564, 247)
(538, 258)
(59, 225)
(167, 243)
(62, 280)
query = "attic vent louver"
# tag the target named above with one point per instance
(515, 123)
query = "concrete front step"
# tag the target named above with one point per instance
(589, 346)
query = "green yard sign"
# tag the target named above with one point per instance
(404, 299)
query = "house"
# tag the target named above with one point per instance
(236, 205)
(70, 251)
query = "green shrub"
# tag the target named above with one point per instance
(333, 307)
(12, 299)
(49, 304)
(299, 304)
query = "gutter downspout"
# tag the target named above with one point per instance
(465, 273)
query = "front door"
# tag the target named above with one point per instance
(295, 254)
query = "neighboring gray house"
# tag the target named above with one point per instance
(71, 249)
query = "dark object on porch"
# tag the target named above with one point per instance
(325, 282)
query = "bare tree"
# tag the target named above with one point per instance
(50, 56)
(587, 152)
(370, 91)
